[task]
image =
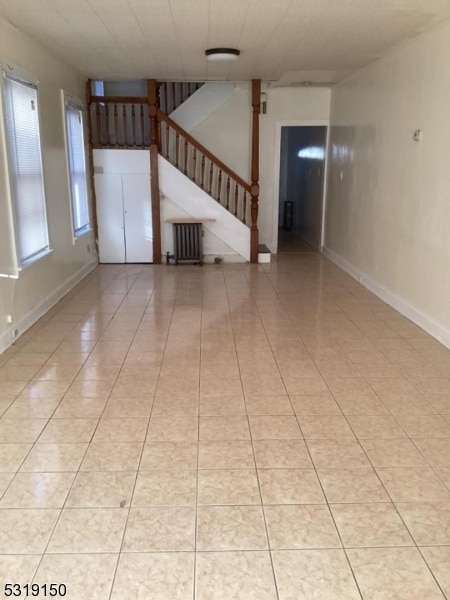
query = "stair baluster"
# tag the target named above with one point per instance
(142, 128)
(98, 133)
(177, 149)
(219, 185)
(125, 127)
(185, 156)
(202, 182)
(116, 126)
(211, 171)
(167, 141)
(194, 165)
(107, 127)
(133, 127)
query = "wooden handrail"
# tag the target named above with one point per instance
(209, 155)
(120, 99)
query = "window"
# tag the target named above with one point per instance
(98, 88)
(77, 167)
(25, 167)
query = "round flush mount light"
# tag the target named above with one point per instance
(222, 54)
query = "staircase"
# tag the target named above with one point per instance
(203, 168)
(144, 123)
(225, 235)
(172, 94)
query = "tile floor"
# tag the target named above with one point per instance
(226, 432)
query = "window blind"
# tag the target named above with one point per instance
(77, 168)
(25, 164)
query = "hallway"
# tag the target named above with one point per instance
(232, 432)
(290, 242)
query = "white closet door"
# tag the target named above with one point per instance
(111, 233)
(138, 217)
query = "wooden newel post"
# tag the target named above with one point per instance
(254, 190)
(154, 174)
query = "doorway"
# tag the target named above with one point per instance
(301, 187)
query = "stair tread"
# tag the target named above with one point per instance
(263, 249)
(190, 220)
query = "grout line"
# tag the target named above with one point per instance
(254, 460)
(143, 444)
(194, 582)
(71, 487)
(323, 492)
(394, 505)
(254, 297)
(34, 444)
(332, 516)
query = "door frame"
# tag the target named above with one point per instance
(276, 179)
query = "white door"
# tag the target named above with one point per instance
(137, 217)
(111, 229)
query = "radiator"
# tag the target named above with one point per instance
(187, 242)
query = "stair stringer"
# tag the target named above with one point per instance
(194, 201)
(201, 104)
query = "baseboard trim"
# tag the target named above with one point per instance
(7, 338)
(435, 329)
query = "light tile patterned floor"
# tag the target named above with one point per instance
(230, 432)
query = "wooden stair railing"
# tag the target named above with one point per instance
(173, 93)
(123, 121)
(138, 122)
(119, 122)
(203, 168)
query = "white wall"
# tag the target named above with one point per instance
(388, 219)
(41, 282)
(207, 99)
(227, 133)
(224, 235)
(284, 105)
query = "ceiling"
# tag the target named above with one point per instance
(288, 41)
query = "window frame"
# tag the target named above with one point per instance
(70, 100)
(21, 75)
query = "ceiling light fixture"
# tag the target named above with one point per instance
(222, 54)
